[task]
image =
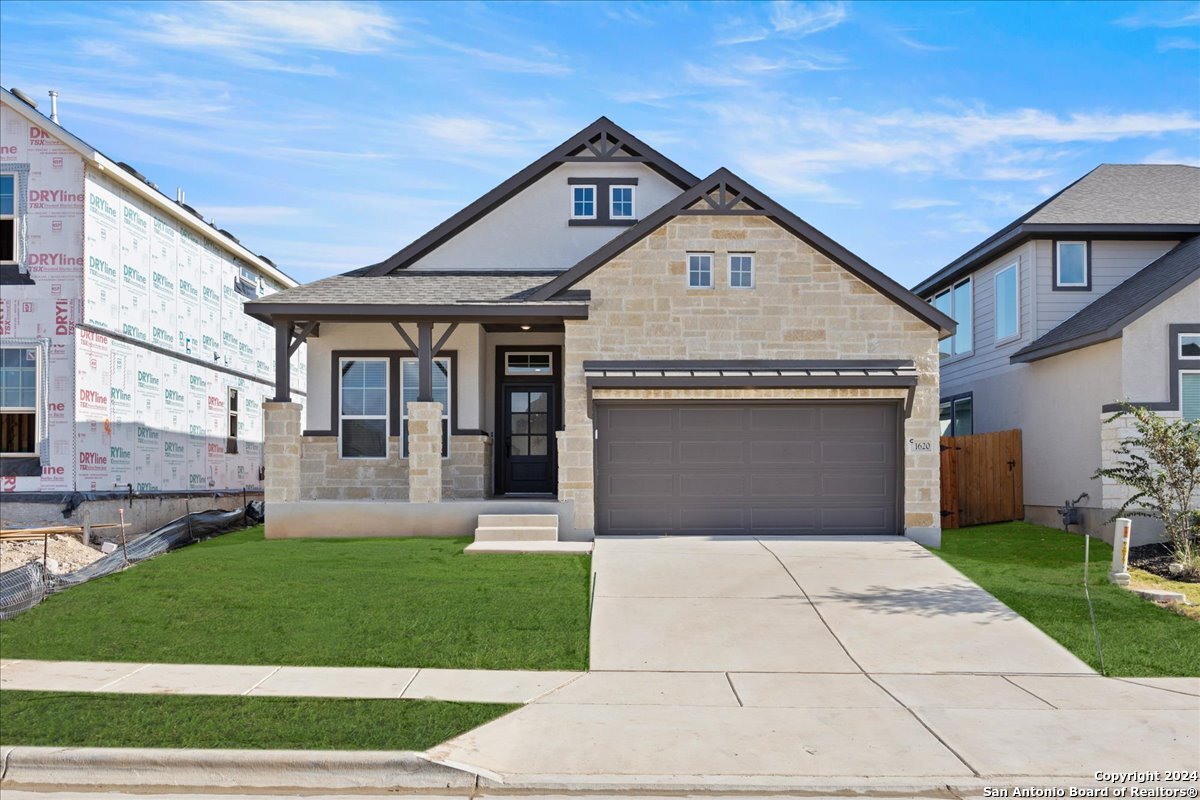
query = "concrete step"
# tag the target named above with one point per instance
(568, 548)
(518, 521)
(516, 533)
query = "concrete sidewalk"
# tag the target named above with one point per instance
(461, 685)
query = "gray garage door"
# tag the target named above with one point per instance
(746, 468)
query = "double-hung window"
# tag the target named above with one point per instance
(957, 416)
(1189, 378)
(364, 408)
(956, 302)
(583, 202)
(699, 270)
(1071, 267)
(231, 441)
(741, 270)
(18, 401)
(410, 377)
(9, 224)
(620, 202)
(1007, 292)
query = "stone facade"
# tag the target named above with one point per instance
(424, 452)
(281, 452)
(802, 306)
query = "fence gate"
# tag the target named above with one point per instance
(981, 479)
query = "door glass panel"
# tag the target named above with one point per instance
(537, 445)
(520, 423)
(537, 423)
(520, 445)
(537, 401)
(520, 401)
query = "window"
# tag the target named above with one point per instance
(699, 270)
(409, 386)
(620, 205)
(231, 442)
(8, 218)
(1189, 345)
(956, 302)
(18, 401)
(957, 416)
(741, 270)
(364, 408)
(1189, 395)
(527, 364)
(1071, 265)
(1008, 306)
(583, 202)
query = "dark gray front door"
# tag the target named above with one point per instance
(528, 438)
(747, 468)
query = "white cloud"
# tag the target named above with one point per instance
(256, 215)
(915, 44)
(1168, 156)
(501, 62)
(1177, 43)
(1163, 15)
(787, 18)
(921, 203)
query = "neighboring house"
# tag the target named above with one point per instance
(608, 339)
(1088, 300)
(126, 366)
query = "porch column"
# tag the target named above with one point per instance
(425, 362)
(425, 451)
(283, 364)
(281, 457)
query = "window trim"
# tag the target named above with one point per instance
(949, 290)
(687, 277)
(386, 416)
(1016, 334)
(1058, 285)
(549, 357)
(632, 201)
(752, 270)
(1179, 345)
(447, 409)
(39, 418)
(595, 200)
(15, 216)
(952, 401)
(231, 415)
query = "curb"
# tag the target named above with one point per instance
(174, 769)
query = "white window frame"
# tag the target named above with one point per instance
(549, 359)
(632, 201)
(15, 216)
(1179, 345)
(38, 416)
(1183, 372)
(232, 416)
(595, 200)
(750, 256)
(387, 405)
(1087, 266)
(952, 313)
(688, 270)
(1016, 334)
(447, 410)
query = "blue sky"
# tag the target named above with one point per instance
(328, 135)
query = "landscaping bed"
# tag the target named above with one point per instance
(64, 719)
(1157, 559)
(1038, 573)
(241, 599)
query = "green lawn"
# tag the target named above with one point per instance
(240, 599)
(1038, 572)
(63, 719)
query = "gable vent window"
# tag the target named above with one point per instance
(583, 202)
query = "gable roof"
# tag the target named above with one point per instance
(1104, 319)
(723, 192)
(601, 141)
(1128, 200)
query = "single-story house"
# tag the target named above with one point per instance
(609, 341)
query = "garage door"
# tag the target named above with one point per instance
(746, 468)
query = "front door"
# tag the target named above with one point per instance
(527, 438)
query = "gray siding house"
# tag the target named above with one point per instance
(606, 343)
(1087, 300)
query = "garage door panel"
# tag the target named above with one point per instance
(747, 468)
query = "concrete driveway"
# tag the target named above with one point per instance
(820, 662)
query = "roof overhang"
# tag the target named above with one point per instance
(1017, 235)
(516, 313)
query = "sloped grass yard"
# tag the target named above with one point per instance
(241, 599)
(64, 719)
(1038, 573)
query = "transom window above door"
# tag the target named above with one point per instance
(527, 364)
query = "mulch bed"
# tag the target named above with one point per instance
(1156, 559)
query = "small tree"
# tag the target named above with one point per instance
(1161, 463)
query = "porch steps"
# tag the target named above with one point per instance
(522, 533)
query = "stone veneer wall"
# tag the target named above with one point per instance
(324, 476)
(803, 306)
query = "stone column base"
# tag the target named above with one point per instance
(424, 452)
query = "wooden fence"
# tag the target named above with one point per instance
(981, 479)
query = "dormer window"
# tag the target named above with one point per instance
(620, 204)
(583, 202)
